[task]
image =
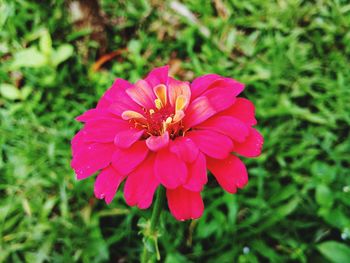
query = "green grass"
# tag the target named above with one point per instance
(294, 57)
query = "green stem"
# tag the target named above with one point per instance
(153, 231)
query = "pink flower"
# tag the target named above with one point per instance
(161, 131)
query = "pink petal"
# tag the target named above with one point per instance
(230, 173)
(170, 170)
(114, 93)
(142, 93)
(123, 105)
(211, 143)
(230, 126)
(220, 98)
(177, 88)
(185, 149)
(126, 138)
(141, 185)
(78, 140)
(158, 76)
(252, 146)
(126, 160)
(197, 174)
(202, 83)
(184, 204)
(89, 157)
(94, 114)
(104, 129)
(242, 109)
(207, 82)
(228, 83)
(156, 143)
(107, 183)
(198, 111)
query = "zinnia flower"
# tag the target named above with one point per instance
(161, 131)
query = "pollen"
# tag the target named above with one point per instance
(168, 120)
(158, 104)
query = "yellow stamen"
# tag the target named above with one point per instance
(160, 91)
(164, 126)
(151, 111)
(130, 114)
(168, 120)
(158, 104)
(166, 123)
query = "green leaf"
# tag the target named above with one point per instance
(149, 244)
(45, 43)
(29, 57)
(324, 196)
(61, 54)
(337, 218)
(265, 250)
(9, 91)
(334, 251)
(325, 173)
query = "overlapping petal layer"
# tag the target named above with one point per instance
(164, 132)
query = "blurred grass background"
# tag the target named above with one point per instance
(294, 57)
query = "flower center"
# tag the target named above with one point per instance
(158, 121)
(164, 117)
